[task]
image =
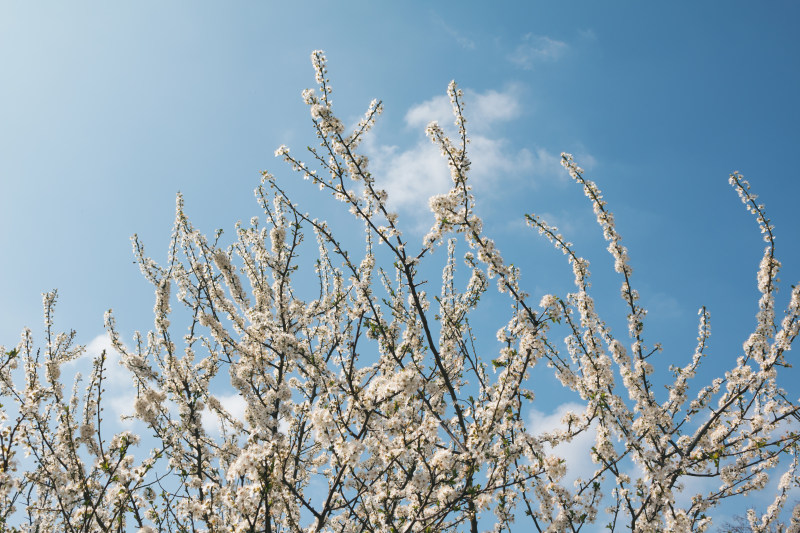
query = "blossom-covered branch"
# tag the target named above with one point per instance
(375, 404)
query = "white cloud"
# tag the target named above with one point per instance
(536, 49)
(493, 160)
(584, 159)
(482, 110)
(117, 381)
(493, 106)
(234, 404)
(413, 175)
(576, 453)
(120, 381)
(437, 108)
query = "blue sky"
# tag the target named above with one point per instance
(108, 109)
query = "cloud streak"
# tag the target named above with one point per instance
(462, 40)
(535, 49)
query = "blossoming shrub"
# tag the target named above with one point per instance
(368, 405)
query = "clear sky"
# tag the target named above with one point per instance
(108, 109)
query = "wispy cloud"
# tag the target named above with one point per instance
(663, 305)
(535, 49)
(565, 223)
(587, 34)
(462, 40)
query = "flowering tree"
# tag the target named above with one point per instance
(371, 404)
